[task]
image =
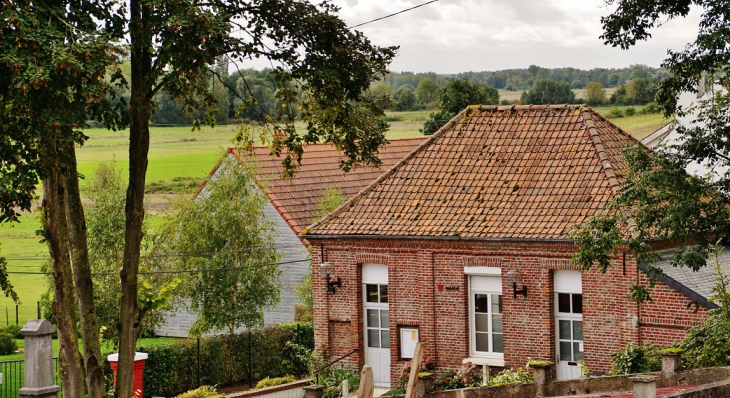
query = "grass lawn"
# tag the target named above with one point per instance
(106, 349)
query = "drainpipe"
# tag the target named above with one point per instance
(433, 288)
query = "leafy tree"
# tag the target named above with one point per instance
(224, 234)
(331, 199)
(255, 98)
(404, 99)
(595, 94)
(455, 97)
(614, 79)
(381, 90)
(548, 92)
(427, 91)
(640, 91)
(54, 59)
(659, 199)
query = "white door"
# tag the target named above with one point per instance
(568, 323)
(377, 322)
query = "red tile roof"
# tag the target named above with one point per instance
(493, 172)
(297, 199)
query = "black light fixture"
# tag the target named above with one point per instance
(515, 277)
(325, 269)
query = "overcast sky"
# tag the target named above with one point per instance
(452, 36)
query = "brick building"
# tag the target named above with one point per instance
(433, 249)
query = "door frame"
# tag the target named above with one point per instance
(376, 274)
(567, 282)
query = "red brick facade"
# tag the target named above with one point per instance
(417, 267)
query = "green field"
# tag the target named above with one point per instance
(179, 160)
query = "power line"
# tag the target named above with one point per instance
(388, 16)
(176, 271)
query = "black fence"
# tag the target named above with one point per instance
(13, 373)
(19, 314)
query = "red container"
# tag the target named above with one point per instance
(139, 360)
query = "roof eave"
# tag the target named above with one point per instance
(433, 237)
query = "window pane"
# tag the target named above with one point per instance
(384, 321)
(563, 302)
(373, 319)
(383, 293)
(564, 327)
(497, 323)
(481, 303)
(565, 353)
(371, 293)
(385, 338)
(498, 346)
(577, 330)
(578, 353)
(497, 303)
(482, 340)
(374, 338)
(482, 322)
(577, 303)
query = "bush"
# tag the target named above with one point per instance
(14, 330)
(636, 359)
(615, 112)
(332, 379)
(7, 345)
(202, 392)
(651, 107)
(467, 376)
(276, 381)
(172, 368)
(394, 118)
(707, 344)
(508, 377)
(630, 111)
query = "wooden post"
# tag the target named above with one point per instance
(415, 369)
(367, 384)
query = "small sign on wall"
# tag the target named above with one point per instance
(408, 339)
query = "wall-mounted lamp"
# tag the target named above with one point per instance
(515, 277)
(324, 272)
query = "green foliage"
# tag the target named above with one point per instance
(616, 112)
(405, 372)
(548, 92)
(7, 345)
(630, 111)
(224, 359)
(585, 371)
(595, 94)
(224, 230)
(649, 108)
(404, 99)
(455, 97)
(276, 381)
(427, 91)
(467, 376)
(636, 359)
(331, 199)
(508, 377)
(333, 376)
(202, 392)
(105, 222)
(14, 331)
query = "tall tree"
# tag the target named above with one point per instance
(595, 93)
(455, 97)
(548, 92)
(54, 58)
(659, 199)
(225, 235)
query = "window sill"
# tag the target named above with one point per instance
(481, 361)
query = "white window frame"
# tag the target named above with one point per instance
(494, 273)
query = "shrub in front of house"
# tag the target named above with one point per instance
(636, 359)
(202, 392)
(467, 376)
(7, 345)
(224, 360)
(509, 377)
(276, 381)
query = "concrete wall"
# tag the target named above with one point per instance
(291, 249)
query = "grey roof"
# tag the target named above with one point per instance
(695, 285)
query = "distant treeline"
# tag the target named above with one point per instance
(251, 94)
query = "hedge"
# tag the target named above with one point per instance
(171, 369)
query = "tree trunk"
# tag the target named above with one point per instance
(76, 224)
(139, 142)
(64, 308)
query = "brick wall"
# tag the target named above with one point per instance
(417, 268)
